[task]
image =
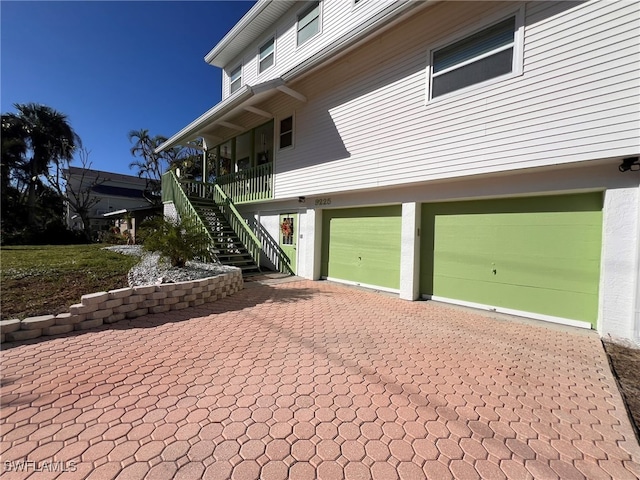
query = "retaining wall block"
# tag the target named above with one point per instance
(116, 317)
(178, 293)
(100, 314)
(203, 282)
(94, 298)
(186, 285)
(196, 303)
(189, 298)
(8, 326)
(197, 290)
(149, 303)
(134, 299)
(166, 287)
(116, 302)
(158, 295)
(21, 335)
(120, 293)
(180, 306)
(125, 308)
(137, 313)
(69, 319)
(160, 309)
(170, 301)
(87, 324)
(38, 323)
(2, 338)
(144, 289)
(80, 309)
(57, 329)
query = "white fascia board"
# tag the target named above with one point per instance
(117, 212)
(241, 35)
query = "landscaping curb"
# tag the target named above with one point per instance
(96, 309)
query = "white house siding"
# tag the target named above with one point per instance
(368, 123)
(338, 17)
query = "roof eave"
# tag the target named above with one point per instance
(224, 51)
(225, 106)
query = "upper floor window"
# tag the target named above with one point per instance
(485, 55)
(266, 55)
(286, 132)
(308, 22)
(235, 79)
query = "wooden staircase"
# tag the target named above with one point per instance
(229, 249)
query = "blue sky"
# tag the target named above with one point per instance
(114, 66)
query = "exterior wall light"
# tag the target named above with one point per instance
(630, 163)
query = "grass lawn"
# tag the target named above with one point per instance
(40, 280)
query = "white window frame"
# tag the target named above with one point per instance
(271, 38)
(293, 129)
(517, 61)
(300, 12)
(231, 81)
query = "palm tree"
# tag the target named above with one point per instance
(150, 165)
(45, 136)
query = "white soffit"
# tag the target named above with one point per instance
(244, 99)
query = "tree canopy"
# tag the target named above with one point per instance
(35, 139)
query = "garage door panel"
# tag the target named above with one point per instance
(532, 254)
(362, 245)
(557, 303)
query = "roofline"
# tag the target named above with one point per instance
(226, 105)
(248, 17)
(385, 18)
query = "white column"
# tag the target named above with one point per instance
(310, 244)
(620, 263)
(410, 251)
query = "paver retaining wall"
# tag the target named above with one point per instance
(96, 309)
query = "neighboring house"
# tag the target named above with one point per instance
(115, 191)
(467, 152)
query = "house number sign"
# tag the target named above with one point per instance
(323, 201)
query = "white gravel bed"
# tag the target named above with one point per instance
(151, 270)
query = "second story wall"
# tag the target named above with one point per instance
(369, 120)
(335, 19)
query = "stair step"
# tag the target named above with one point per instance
(229, 248)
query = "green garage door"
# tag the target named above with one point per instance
(362, 245)
(538, 254)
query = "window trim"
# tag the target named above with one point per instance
(239, 67)
(299, 14)
(293, 129)
(272, 37)
(517, 61)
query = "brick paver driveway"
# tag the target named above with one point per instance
(315, 380)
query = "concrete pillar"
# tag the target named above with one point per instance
(410, 251)
(620, 263)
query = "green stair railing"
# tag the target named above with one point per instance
(172, 191)
(250, 185)
(237, 222)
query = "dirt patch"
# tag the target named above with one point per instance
(625, 363)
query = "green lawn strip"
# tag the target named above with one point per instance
(40, 280)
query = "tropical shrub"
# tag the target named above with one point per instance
(176, 240)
